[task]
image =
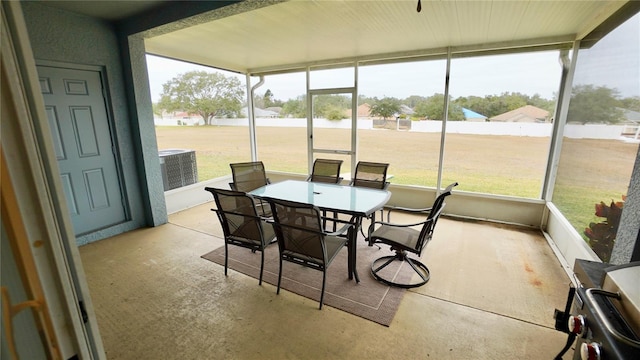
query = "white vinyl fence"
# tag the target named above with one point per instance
(575, 131)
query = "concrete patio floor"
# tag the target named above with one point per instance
(492, 293)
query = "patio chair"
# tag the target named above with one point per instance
(372, 175)
(302, 240)
(241, 224)
(248, 176)
(326, 171)
(404, 239)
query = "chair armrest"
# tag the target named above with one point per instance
(400, 208)
(400, 225)
(340, 231)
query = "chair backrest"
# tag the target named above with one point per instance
(371, 175)
(248, 176)
(432, 219)
(238, 216)
(298, 228)
(326, 171)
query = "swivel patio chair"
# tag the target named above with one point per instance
(302, 240)
(248, 176)
(241, 224)
(404, 239)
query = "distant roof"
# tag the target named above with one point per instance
(257, 112)
(364, 110)
(470, 114)
(631, 115)
(404, 109)
(527, 113)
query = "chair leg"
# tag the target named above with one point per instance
(226, 257)
(261, 266)
(279, 276)
(370, 229)
(324, 280)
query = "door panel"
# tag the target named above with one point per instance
(328, 138)
(75, 106)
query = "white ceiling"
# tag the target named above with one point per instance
(256, 36)
(300, 32)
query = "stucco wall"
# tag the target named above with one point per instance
(59, 36)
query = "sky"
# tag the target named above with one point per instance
(529, 74)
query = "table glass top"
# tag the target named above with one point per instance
(348, 199)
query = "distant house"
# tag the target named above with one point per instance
(630, 116)
(404, 109)
(276, 109)
(527, 113)
(179, 118)
(260, 113)
(471, 115)
(364, 111)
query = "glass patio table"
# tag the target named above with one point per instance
(356, 202)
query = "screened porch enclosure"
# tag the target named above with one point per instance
(508, 157)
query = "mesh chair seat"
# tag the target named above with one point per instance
(404, 238)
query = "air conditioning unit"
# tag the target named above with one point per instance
(178, 168)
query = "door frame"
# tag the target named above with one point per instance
(31, 164)
(353, 151)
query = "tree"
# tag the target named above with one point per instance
(296, 108)
(268, 98)
(413, 100)
(591, 104)
(259, 102)
(323, 105)
(386, 107)
(433, 108)
(156, 109)
(204, 93)
(631, 103)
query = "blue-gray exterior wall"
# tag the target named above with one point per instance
(60, 36)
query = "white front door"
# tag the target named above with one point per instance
(76, 108)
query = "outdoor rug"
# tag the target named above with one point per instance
(368, 299)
